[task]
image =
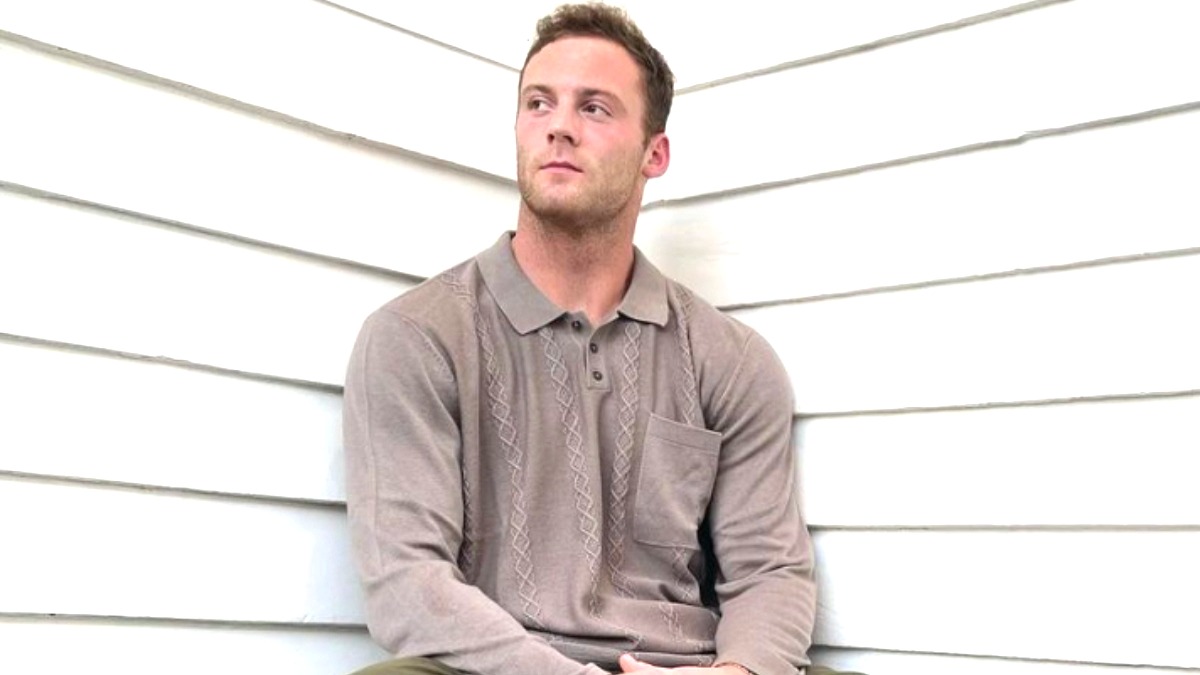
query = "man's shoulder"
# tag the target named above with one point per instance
(726, 352)
(444, 302)
(710, 329)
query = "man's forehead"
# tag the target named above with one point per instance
(582, 62)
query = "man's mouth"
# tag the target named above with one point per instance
(562, 165)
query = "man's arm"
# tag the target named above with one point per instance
(404, 494)
(765, 586)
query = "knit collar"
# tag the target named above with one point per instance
(527, 309)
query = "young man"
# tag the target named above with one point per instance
(559, 461)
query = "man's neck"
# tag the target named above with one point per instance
(578, 272)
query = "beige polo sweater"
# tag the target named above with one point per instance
(530, 494)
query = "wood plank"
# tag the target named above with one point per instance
(119, 552)
(764, 33)
(96, 279)
(500, 32)
(146, 648)
(993, 81)
(210, 166)
(1051, 201)
(1113, 329)
(95, 417)
(959, 592)
(1104, 597)
(899, 663)
(1115, 463)
(761, 33)
(308, 60)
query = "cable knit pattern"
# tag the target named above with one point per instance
(687, 376)
(682, 580)
(514, 456)
(671, 617)
(685, 583)
(466, 550)
(585, 505)
(623, 459)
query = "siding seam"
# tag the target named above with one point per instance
(992, 528)
(1030, 403)
(218, 235)
(180, 621)
(419, 36)
(167, 361)
(175, 491)
(209, 96)
(879, 43)
(1180, 108)
(955, 281)
(1017, 659)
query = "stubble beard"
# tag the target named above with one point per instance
(589, 212)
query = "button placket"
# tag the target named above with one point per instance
(597, 370)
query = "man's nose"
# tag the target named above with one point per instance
(564, 126)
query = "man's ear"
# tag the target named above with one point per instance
(658, 156)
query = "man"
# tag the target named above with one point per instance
(559, 461)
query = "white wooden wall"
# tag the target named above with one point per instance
(970, 228)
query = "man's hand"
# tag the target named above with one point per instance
(631, 665)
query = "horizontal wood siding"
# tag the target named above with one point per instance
(1112, 191)
(907, 663)
(95, 417)
(307, 60)
(144, 553)
(1112, 329)
(758, 33)
(115, 140)
(1054, 67)
(126, 284)
(34, 645)
(1119, 463)
(1125, 598)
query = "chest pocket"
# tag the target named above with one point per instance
(675, 482)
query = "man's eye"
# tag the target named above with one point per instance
(595, 109)
(537, 104)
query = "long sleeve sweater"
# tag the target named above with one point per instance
(532, 494)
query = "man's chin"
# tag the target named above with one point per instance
(553, 208)
(565, 217)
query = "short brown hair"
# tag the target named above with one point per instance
(611, 23)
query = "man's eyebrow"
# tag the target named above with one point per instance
(585, 92)
(590, 92)
(535, 88)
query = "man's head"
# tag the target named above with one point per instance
(589, 133)
(612, 24)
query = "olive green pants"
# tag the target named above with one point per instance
(420, 666)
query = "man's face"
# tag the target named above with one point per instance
(581, 151)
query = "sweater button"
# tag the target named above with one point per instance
(597, 375)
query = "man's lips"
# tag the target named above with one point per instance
(562, 165)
